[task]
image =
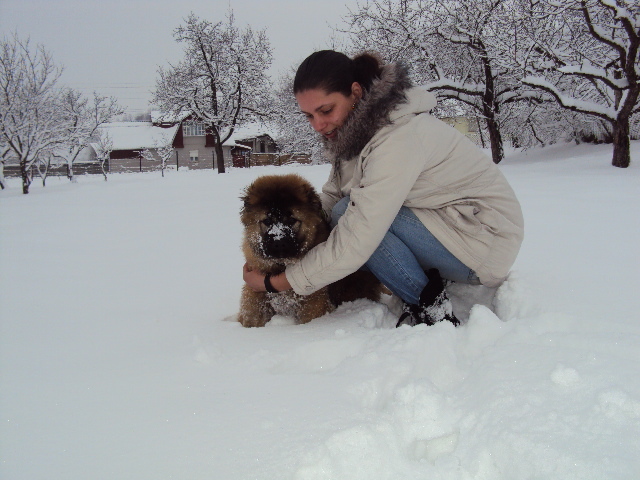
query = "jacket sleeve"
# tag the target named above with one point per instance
(330, 194)
(389, 173)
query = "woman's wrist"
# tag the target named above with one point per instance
(278, 282)
(268, 285)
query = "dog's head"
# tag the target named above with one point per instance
(282, 217)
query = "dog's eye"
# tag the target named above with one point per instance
(267, 222)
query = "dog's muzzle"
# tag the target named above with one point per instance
(280, 241)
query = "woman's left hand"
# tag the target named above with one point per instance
(253, 278)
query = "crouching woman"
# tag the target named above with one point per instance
(410, 198)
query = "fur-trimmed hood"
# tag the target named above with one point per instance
(371, 113)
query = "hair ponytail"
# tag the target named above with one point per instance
(367, 67)
(335, 72)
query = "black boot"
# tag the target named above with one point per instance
(434, 306)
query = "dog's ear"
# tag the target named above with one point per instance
(312, 197)
(245, 200)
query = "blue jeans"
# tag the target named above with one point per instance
(406, 251)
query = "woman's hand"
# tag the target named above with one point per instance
(255, 280)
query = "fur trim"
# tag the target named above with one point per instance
(371, 113)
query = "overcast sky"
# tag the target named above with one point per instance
(115, 46)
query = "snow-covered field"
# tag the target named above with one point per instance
(120, 357)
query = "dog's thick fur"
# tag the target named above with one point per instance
(282, 219)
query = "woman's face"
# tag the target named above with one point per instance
(327, 112)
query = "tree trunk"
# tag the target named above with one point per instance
(70, 175)
(490, 111)
(43, 174)
(26, 178)
(621, 144)
(105, 167)
(480, 133)
(495, 138)
(219, 157)
(621, 134)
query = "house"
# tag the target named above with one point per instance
(264, 149)
(130, 139)
(468, 126)
(193, 146)
(257, 142)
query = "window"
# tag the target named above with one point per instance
(193, 155)
(193, 129)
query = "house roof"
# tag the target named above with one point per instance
(247, 132)
(163, 117)
(138, 135)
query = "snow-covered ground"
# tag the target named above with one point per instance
(120, 357)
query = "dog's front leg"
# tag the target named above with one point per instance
(255, 309)
(315, 305)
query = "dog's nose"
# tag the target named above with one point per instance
(280, 241)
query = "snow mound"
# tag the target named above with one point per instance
(120, 353)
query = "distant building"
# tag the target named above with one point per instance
(468, 126)
(130, 139)
(193, 148)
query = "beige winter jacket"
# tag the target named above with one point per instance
(420, 162)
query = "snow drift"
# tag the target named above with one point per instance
(120, 357)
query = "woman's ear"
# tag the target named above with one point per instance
(356, 90)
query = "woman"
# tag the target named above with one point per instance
(410, 198)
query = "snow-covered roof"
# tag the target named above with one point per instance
(163, 117)
(252, 130)
(138, 135)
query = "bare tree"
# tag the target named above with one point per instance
(103, 148)
(42, 164)
(162, 153)
(82, 119)
(30, 123)
(222, 79)
(165, 152)
(462, 50)
(586, 54)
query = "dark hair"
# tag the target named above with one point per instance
(335, 72)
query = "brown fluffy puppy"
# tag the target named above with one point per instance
(282, 218)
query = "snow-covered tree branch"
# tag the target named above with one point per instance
(82, 119)
(462, 50)
(162, 152)
(30, 122)
(103, 148)
(221, 80)
(585, 55)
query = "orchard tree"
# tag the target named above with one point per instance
(42, 165)
(585, 54)
(82, 119)
(462, 50)
(30, 117)
(222, 79)
(162, 153)
(103, 146)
